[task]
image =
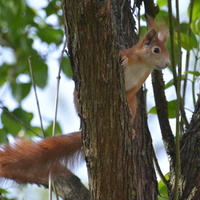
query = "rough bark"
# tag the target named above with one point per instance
(190, 159)
(119, 163)
(100, 97)
(71, 188)
(189, 185)
(162, 111)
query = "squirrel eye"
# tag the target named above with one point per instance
(156, 50)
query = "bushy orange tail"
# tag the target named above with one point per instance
(31, 162)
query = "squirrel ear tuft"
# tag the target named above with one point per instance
(163, 34)
(149, 36)
(160, 27)
(150, 22)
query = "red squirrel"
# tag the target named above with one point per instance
(31, 162)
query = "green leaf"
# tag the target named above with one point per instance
(66, 67)
(36, 130)
(186, 42)
(196, 9)
(195, 26)
(153, 111)
(52, 8)
(143, 31)
(3, 135)
(20, 90)
(3, 191)
(3, 73)
(40, 71)
(184, 29)
(163, 17)
(171, 109)
(50, 35)
(195, 73)
(161, 3)
(163, 191)
(48, 130)
(24, 116)
(171, 82)
(11, 125)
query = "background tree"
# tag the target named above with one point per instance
(96, 31)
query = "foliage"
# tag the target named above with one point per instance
(23, 27)
(27, 31)
(24, 32)
(163, 189)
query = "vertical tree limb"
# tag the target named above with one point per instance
(190, 159)
(162, 111)
(119, 165)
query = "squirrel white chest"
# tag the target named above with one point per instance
(135, 75)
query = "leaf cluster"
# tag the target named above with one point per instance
(27, 31)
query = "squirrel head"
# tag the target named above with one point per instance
(152, 51)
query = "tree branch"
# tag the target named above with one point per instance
(190, 162)
(162, 111)
(71, 188)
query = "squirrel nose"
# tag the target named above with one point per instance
(168, 63)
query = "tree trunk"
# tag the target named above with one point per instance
(119, 163)
(190, 159)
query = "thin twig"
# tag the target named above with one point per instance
(172, 55)
(178, 159)
(36, 97)
(18, 120)
(57, 90)
(165, 181)
(50, 187)
(56, 110)
(171, 32)
(188, 51)
(194, 77)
